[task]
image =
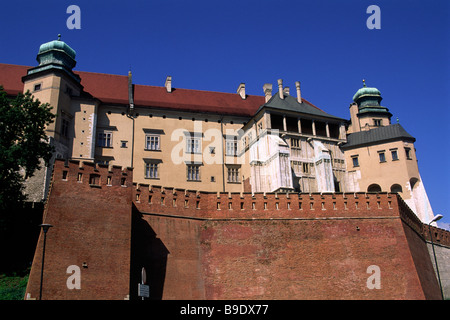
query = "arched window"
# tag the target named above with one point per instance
(396, 188)
(374, 188)
(413, 182)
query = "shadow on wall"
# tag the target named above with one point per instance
(149, 252)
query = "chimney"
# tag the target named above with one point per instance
(168, 84)
(286, 90)
(241, 90)
(267, 88)
(280, 88)
(130, 91)
(354, 110)
(299, 94)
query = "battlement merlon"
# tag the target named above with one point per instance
(86, 172)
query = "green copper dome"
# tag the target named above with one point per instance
(368, 100)
(56, 55)
(59, 46)
(56, 52)
(365, 91)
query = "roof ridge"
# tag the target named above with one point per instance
(200, 90)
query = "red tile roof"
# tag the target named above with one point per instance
(11, 77)
(113, 89)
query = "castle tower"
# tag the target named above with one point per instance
(381, 156)
(54, 82)
(366, 111)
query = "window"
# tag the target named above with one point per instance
(233, 174)
(37, 87)
(94, 179)
(65, 128)
(102, 161)
(382, 156)
(408, 153)
(355, 161)
(193, 172)
(305, 167)
(123, 144)
(151, 170)
(295, 143)
(374, 188)
(394, 155)
(193, 145)
(377, 122)
(231, 147)
(105, 139)
(152, 142)
(396, 188)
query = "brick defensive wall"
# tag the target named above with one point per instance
(90, 208)
(204, 245)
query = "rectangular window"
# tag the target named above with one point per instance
(123, 144)
(193, 145)
(151, 170)
(152, 142)
(408, 153)
(104, 139)
(231, 147)
(377, 122)
(37, 87)
(382, 156)
(233, 174)
(355, 161)
(295, 143)
(65, 128)
(193, 172)
(305, 167)
(394, 155)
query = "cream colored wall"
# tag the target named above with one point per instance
(49, 93)
(83, 129)
(385, 174)
(54, 91)
(114, 119)
(367, 122)
(172, 157)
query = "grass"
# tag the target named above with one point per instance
(12, 287)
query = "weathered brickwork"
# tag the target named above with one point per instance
(91, 229)
(203, 245)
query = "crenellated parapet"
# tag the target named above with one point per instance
(224, 205)
(195, 204)
(92, 175)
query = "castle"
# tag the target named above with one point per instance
(214, 141)
(220, 195)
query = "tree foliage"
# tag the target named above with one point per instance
(23, 143)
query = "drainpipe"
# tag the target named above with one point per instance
(223, 155)
(130, 113)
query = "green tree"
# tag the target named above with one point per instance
(23, 143)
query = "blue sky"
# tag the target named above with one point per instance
(215, 45)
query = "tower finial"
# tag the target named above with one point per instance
(59, 37)
(364, 83)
